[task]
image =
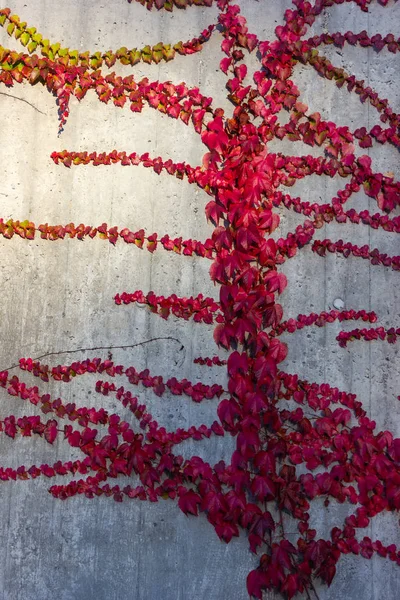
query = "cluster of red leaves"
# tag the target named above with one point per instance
(377, 333)
(291, 325)
(196, 391)
(376, 257)
(342, 457)
(377, 41)
(203, 310)
(215, 361)
(169, 4)
(325, 213)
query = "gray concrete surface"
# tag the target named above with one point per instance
(57, 298)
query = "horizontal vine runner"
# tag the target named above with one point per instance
(296, 441)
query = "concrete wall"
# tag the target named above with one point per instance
(57, 300)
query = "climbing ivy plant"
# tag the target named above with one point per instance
(296, 441)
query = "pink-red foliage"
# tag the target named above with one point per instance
(343, 457)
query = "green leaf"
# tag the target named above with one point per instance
(146, 54)
(168, 52)
(32, 47)
(25, 37)
(3, 53)
(83, 57)
(10, 28)
(157, 53)
(96, 60)
(179, 47)
(110, 58)
(73, 56)
(134, 56)
(122, 52)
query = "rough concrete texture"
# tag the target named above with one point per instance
(57, 300)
